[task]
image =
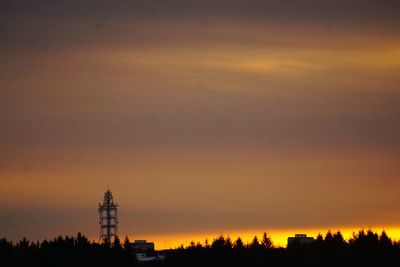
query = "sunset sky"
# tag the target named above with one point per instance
(203, 117)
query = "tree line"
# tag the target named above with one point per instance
(66, 251)
(364, 248)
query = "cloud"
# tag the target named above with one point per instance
(49, 23)
(353, 10)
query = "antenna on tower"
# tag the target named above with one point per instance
(108, 218)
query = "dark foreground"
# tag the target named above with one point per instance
(364, 249)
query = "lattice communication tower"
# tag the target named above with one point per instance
(108, 218)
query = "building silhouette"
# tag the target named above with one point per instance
(143, 246)
(300, 239)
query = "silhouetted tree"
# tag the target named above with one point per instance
(6, 252)
(238, 243)
(218, 243)
(128, 245)
(206, 244)
(266, 241)
(117, 244)
(228, 242)
(254, 243)
(385, 241)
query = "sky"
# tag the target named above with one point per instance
(203, 117)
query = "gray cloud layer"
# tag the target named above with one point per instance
(342, 10)
(24, 22)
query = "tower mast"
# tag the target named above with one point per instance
(108, 218)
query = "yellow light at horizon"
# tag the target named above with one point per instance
(279, 237)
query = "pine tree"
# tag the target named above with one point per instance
(266, 241)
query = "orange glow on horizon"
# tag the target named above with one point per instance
(279, 237)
